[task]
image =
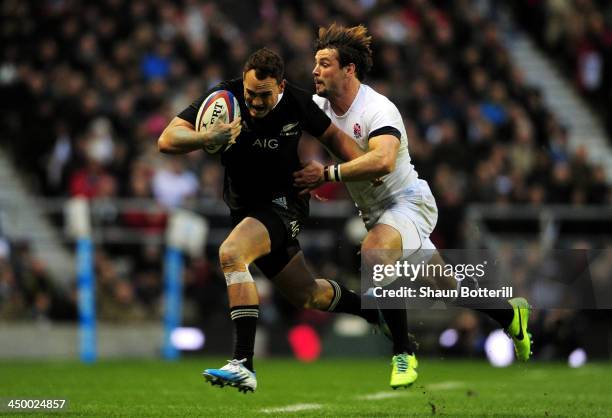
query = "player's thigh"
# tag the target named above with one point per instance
(248, 240)
(382, 244)
(382, 237)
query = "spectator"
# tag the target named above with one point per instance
(173, 184)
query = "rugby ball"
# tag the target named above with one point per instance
(219, 106)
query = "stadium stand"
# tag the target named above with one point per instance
(578, 36)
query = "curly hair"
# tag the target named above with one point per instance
(352, 44)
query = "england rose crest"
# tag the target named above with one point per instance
(357, 130)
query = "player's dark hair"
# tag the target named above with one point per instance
(352, 44)
(266, 63)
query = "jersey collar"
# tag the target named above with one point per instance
(280, 96)
(353, 104)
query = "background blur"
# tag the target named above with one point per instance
(508, 114)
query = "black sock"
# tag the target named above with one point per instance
(397, 322)
(502, 316)
(498, 309)
(347, 301)
(245, 325)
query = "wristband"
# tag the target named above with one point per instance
(332, 173)
(338, 175)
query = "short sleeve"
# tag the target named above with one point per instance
(385, 120)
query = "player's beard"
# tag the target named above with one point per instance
(321, 89)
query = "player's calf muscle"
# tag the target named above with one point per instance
(242, 294)
(300, 296)
(315, 298)
(441, 281)
(307, 294)
(300, 299)
(318, 295)
(322, 297)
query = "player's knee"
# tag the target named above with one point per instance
(230, 255)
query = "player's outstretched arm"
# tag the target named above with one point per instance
(378, 161)
(180, 136)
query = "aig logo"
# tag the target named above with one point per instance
(270, 143)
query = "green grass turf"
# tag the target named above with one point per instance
(445, 388)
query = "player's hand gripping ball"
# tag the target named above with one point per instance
(219, 107)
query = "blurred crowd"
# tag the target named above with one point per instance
(88, 87)
(577, 34)
(127, 289)
(27, 292)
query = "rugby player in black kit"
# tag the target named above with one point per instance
(267, 210)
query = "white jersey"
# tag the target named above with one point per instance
(369, 115)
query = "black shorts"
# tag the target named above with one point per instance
(283, 218)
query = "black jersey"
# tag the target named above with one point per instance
(259, 166)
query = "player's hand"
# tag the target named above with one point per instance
(223, 133)
(310, 177)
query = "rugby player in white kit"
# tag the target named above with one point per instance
(398, 209)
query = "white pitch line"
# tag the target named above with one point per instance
(387, 395)
(381, 395)
(445, 385)
(293, 408)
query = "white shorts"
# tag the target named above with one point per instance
(412, 212)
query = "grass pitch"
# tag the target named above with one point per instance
(330, 388)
